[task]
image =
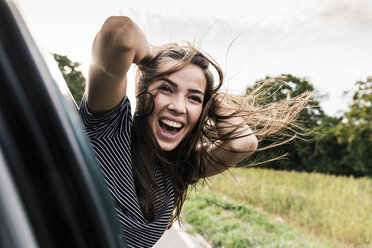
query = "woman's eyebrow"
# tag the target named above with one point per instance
(195, 91)
(173, 84)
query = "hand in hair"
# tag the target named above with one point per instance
(155, 50)
(240, 137)
(237, 141)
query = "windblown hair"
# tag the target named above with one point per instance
(187, 161)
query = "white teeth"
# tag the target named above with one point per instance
(171, 123)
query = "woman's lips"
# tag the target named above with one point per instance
(171, 131)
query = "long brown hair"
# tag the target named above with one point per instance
(187, 161)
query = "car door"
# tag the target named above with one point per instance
(52, 193)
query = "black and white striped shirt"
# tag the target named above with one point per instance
(110, 134)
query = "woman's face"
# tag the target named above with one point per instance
(178, 103)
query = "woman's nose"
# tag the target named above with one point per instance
(177, 106)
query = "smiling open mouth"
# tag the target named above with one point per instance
(169, 126)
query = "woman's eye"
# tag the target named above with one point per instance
(165, 88)
(196, 99)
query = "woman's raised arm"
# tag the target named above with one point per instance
(118, 44)
(241, 144)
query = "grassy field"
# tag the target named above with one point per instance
(226, 223)
(337, 209)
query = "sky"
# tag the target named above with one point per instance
(328, 42)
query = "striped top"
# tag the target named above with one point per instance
(110, 134)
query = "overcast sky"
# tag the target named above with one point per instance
(327, 41)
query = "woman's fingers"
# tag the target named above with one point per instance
(157, 49)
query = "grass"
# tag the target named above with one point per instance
(226, 223)
(339, 208)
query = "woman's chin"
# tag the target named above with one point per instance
(167, 146)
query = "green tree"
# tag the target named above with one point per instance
(293, 86)
(344, 145)
(324, 152)
(73, 76)
(311, 117)
(341, 146)
(355, 130)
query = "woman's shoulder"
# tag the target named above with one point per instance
(108, 123)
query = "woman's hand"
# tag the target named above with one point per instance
(155, 50)
(238, 141)
(232, 126)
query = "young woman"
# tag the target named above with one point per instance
(181, 130)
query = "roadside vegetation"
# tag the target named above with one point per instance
(227, 223)
(336, 209)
